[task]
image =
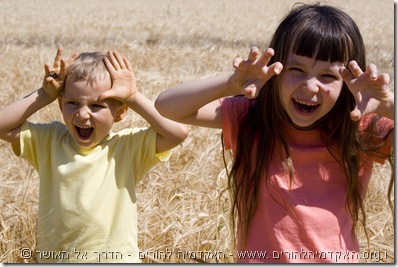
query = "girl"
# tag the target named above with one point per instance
(305, 131)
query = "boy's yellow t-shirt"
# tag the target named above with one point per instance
(87, 202)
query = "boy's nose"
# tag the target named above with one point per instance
(83, 113)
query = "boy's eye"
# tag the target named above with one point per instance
(74, 103)
(97, 106)
(330, 76)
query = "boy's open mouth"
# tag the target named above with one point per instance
(84, 131)
(304, 107)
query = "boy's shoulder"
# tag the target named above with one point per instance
(129, 131)
(56, 125)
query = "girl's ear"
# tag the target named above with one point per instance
(121, 113)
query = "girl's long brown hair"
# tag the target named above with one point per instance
(328, 34)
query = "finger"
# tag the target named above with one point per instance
(109, 64)
(62, 72)
(355, 114)
(47, 69)
(354, 69)
(57, 59)
(237, 62)
(113, 60)
(266, 56)
(250, 92)
(384, 78)
(119, 59)
(276, 68)
(371, 70)
(253, 54)
(128, 65)
(73, 58)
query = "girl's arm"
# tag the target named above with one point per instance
(169, 133)
(197, 102)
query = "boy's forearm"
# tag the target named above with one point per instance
(146, 109)
(171, 133)
(13, 115)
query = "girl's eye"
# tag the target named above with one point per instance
(296, 69)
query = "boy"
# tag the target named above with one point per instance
(87, 205)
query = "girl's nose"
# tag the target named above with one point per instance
(311, 86)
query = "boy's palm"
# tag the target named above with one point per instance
(53, 81)
(123, 78)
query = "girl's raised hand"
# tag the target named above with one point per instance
(369, 88)
(250, 75)
(53, 81)
(123, 78)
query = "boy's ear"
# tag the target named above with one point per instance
(121, 113)
(60, 102)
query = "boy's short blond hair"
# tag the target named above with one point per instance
(90, 67)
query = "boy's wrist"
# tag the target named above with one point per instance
(131, 99)
(43, 96)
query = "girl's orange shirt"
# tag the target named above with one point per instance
(306, 220)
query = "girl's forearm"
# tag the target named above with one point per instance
(389, 108)
(185, 99)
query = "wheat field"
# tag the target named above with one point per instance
(183, 204)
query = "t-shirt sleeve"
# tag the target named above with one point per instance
(374, 130)
(143, 154)
(31, 141)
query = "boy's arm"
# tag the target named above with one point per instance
(15, 114)
(169, 133)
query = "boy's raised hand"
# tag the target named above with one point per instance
(123, 78)
(370, 90)
(53, 81)
(250, 75)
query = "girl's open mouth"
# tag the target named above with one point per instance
(305, 107)
(84, 132)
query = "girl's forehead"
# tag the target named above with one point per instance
(294, 59)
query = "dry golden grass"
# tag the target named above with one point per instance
(183, 206)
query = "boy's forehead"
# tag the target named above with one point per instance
(76, 88)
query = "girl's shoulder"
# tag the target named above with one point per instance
(239, 102)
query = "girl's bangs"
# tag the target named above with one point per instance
(323, 44)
